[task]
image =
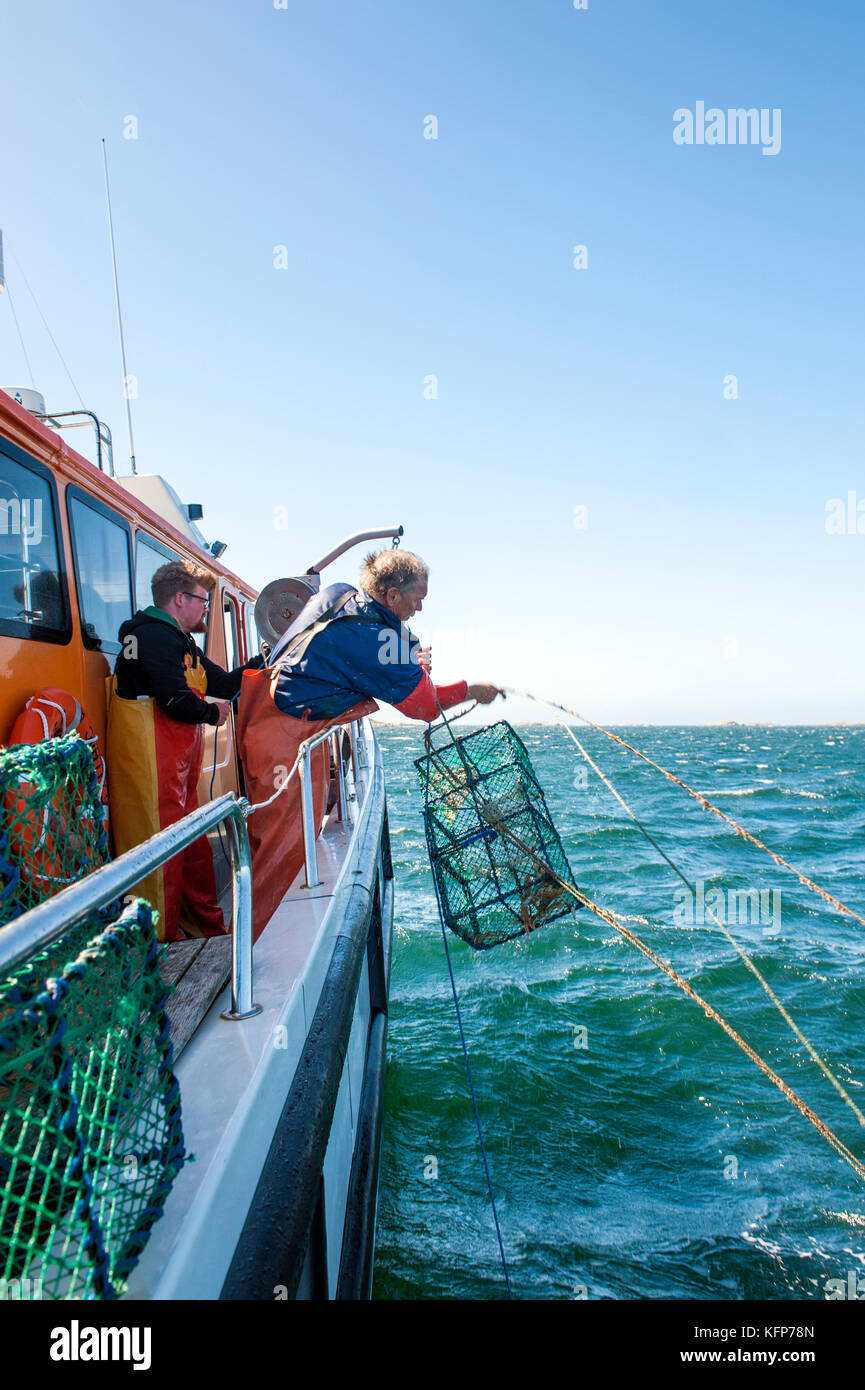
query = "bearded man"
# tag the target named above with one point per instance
(155, 743)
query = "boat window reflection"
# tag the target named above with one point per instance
(104, 581)
(31, 594)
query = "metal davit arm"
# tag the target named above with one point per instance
(387, 533)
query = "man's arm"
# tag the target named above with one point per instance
(162, 674)
(226, 684)
(423, 702)
(390, 680)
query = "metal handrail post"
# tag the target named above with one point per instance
(43, 924)
(344, 804)
(355, 761)
(361, 746)
(308, 805)
(241, 906)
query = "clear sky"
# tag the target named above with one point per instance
(704, 585)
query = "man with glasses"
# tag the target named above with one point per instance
(156, 741)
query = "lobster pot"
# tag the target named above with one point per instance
(495, 854)
(90, 1130)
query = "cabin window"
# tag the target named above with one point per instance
(149, 557)
(232, 635)
(253, 641)
(32, 585)
(101, 545)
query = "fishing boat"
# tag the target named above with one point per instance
(278, 1048)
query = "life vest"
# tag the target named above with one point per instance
(329, 655)
(292, 647)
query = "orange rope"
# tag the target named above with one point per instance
(608, 917)
(773, 1076)
(706, 804)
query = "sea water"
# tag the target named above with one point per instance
(635, 1151)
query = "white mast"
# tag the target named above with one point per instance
(119, 316)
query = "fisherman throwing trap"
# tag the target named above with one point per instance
(345, 650)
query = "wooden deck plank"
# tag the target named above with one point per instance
(197, 988)
(177, 958)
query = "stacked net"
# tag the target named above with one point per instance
(90, 1131)
(53, 821)
(496, 857)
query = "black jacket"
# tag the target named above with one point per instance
(153, 661)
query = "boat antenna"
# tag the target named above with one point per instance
(119, 316)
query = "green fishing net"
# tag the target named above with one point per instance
(90, 1132)
(52, 821)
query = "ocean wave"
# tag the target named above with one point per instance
(850, 1218)
(764, 787)
(739, 791)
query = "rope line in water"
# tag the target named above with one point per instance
(608, 917)
(743, 955)
(704, 802)
(773, 1076)
(477, 1113)
(710, 1012)
(460, 1023)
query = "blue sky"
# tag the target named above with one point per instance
(705, 585)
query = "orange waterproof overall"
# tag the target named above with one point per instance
(268, 742)
(154, 764)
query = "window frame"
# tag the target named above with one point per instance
(147, 538)
(165, 549)
(110, 646)
(15, 627)
(250, 630)
(231, 605)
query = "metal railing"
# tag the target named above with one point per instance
(74, 421)
(345, 797)
(40, 926)
(45, 923)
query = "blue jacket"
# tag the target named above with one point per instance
(364, 650)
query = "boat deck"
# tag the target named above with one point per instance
(234, 1076)
(198, 970)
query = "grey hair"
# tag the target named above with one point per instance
(391, 569)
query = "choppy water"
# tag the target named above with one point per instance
(656, 1162)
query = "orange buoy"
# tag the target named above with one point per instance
(42, 842)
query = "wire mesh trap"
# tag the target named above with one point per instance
(496, 857)
(90, 1130)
